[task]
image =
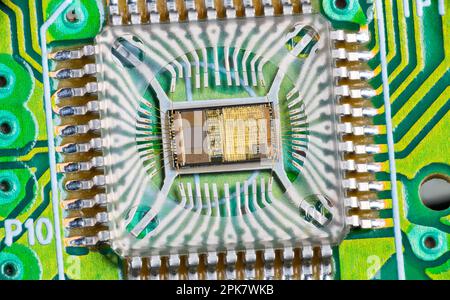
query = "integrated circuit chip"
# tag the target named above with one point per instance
(234, 127)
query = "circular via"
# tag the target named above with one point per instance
(13, 72)
(9, 128)
(431, 242)
(342, 10)
(7, 81)
(80, 20)
(9, 187)
(74, 17)
(11, 268)
(19, 262)
(427, 243)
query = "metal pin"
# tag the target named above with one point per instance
(85, 222)
(62, 55)
(84, 241)
(69, 130)
(78, 204)
(93, 144)
(77, 185)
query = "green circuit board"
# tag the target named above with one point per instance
(409, 48)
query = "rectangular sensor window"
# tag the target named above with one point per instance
(221, 135)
